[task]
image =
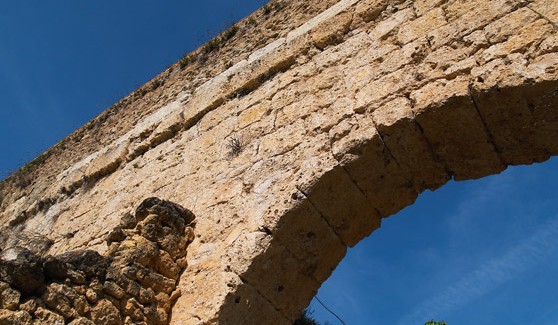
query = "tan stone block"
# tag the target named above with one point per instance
(465, 16)
(368, 10)
(107, 161)
(421, 26)
(409, 53)
(15, 317)
(423, 6)
(253, 114)
(331, 32)
(281, 279)
(501, 29)
(405, 141)
(362, 153)
(451, 124)
(549, 9)
(387, 85)
(521, 40)
(245, 305)
(309, 237)
(338, 200)
(520, 118)
(387, 26)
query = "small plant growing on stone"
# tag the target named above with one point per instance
(212, 45)
(234, 146)
(229, 33)
(184, 61)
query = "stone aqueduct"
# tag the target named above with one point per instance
(292, 148)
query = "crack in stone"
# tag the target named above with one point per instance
(321, 214)
(246, 282)
(489, 134)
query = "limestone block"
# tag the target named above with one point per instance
(385, 27)
(105, 313)
(423, 6)
(520, 116)
(405, 141)
(253, 114)
(501, 29)
(411, 52)
(546, 8)
(107, 161)
(245, 305)
(20, 317)
(387, 85)
(47, 317)
(521, 40)
(9, 298)
(421, 26)
(339, 200)
(332, 31)
(369, 10)
(281, 276)
(451, 124)
(309, 237)
(363, 154)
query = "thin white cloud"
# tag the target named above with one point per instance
(540, 244)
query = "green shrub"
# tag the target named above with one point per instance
(229, 33)
(306, 318)
(212, 45)
(184, 61)
(433, 322)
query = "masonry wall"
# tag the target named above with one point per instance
(300, 148)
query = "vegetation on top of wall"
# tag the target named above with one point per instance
(306, 318)
(433, 322)
(275, 6)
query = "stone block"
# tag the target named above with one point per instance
(453, 128)
(421, 26)
(308, 236)
(364, 156)
(407, 144)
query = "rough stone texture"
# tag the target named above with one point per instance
(84, 287)
(287, 151)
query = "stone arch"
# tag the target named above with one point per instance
(341, 120)
(472, 132)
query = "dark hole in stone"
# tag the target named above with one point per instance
(237, 300)
(310, 235)
(280, 289)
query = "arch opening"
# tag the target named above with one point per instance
(480, 252)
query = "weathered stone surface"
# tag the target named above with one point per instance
(104, 313)
(8, 317)
(48, 317)
(289, 143)
(9, 298)
(76, 286)
(22, 270)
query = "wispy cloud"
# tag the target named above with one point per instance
(540, 244)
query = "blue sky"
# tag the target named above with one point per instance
(480, 252)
